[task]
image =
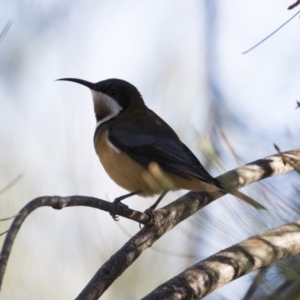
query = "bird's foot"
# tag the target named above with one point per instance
(149, 212)
(122, 205)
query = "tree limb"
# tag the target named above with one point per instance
(164, 219)
(11, 184)
(254, 253)
(171, 215)
(294, 5)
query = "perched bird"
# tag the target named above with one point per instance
(140, 151)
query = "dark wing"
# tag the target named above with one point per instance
(146, 138)
(157, 142)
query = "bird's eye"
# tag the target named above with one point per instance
(112, 93)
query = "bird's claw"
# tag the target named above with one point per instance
(122, 205)
(149, 212)
(115, 217)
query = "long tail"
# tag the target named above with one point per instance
(246, 199)
(239, 195)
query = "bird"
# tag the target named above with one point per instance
(140, 151)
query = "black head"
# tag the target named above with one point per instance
(120, 90)
(111, 97)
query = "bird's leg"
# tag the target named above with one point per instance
(121, 198)
(150, 210)
(118, 201)
(153, 206)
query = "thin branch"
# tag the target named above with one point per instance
(279, 151)
(252, 254)
(285, 159)
(294, 5)
(5, 30)
(171, 215)
(267, 37)
(8, 218)
(11, 184)
(59, 203)
(255, 284)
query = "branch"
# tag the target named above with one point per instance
(252, 254)
(59, 203)
(11, 184)
(5, 30)
(165, 218)
(271, 34)
(171, 215)
(294, 5)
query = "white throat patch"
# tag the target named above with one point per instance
(107, 103)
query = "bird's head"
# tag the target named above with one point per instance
(110, 96)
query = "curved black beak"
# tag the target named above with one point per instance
(80, 81)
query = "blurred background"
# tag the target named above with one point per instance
(185, 57)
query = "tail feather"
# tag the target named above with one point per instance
(247, 199)
(239, 195)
